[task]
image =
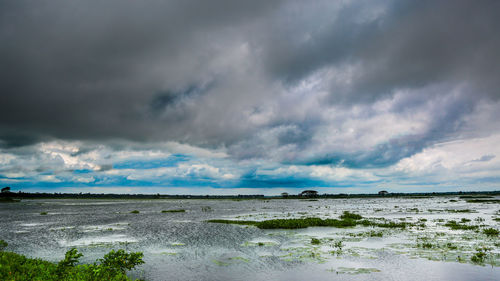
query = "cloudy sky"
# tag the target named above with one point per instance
(239, 97)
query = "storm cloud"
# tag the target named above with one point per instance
(351, 84)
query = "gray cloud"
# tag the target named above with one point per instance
(262, 79)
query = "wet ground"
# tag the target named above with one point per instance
(183, 246)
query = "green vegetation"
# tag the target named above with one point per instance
(43, 213)
(347, 221)
(483, 201)
(456, 226)
(491, 232)
(375, 234)
(134, 212)
(234, 222)
(315, 241)
(347, 215)
(292, 223)
(3, 245)
(174, 211)
(475, 196)
(112, 267)
(480, 255)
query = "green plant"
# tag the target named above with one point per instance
(112, 267)
(425, 245)
(43, 213)
(339, 245)
(3, 245)
(480, 255)
(310, 222)
(491, 232)
(455, 226)
(135, 212)
(352, 216)
(174, 211)
(315, 241)
(376, 234)
(70, 259)
(121, 260)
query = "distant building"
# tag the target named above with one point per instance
(284, 194)
(383, 192)
(308, 193)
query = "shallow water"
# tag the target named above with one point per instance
(182, 246)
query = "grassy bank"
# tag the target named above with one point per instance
(112, 266)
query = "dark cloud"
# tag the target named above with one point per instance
(235, 74)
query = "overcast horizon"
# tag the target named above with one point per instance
(249, 97)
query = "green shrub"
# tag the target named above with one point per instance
(121, 260)
(112, 267)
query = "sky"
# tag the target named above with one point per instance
(249, 97)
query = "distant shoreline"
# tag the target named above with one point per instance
(7, 196)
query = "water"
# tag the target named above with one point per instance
(183, 246)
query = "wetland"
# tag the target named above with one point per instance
(394, 238)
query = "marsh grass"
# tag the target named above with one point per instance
(312, 222)
(174, 211)
(480, 255)
(350, 216)
(457, 226)
(315, 241)
(491, 232)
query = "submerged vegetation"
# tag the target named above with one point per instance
(174, 211)
(456, 226)
(112, 266)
